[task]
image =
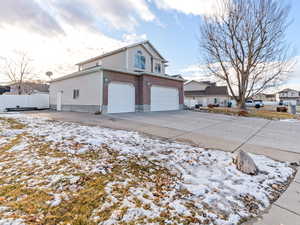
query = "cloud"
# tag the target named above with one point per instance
(120, 14)
(192, 7)
(57, 54)
(57, 34)
(134, 38)
(200, 72)
(48, 17)
(28, 14)
(195, 72)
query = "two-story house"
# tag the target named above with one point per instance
(128, 79)
(289, 96)
(205, 93)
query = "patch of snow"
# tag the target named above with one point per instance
(11, 222)
(290, 120)
(209, 176)
(19, 147)
(56, 201)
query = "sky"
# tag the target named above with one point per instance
(58, 34)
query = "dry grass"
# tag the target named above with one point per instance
(13, 124)
(271, 115)
(84, 201)
(33, 178)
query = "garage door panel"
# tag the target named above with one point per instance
(121, 97)
(164, 98)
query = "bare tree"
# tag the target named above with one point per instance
(244, 46)
(18, 69)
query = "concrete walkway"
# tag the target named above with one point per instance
(276, 139)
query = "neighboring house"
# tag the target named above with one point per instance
(29, 88)
(205, 93)
(289, 96)
(265, 97)
(129, 79)
(4, 89)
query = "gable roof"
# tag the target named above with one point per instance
(210, 90)
(142, 43)
(200, 82)
(287, 90)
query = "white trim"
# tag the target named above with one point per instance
(127, 66)
(76, 74)
(142, 43)
(101, 89)
(86, 72)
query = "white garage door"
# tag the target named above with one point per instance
(164, 98)
(121, 97)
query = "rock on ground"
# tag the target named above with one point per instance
(246, 164)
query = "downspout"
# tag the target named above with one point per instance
(126, 59)
(151, 64)
(101, 90)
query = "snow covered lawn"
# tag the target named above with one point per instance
(65, 173)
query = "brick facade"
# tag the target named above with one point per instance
(142, 84)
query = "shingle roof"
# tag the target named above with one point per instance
(211, 90)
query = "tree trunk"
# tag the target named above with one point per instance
(19, 90)
(242, 105)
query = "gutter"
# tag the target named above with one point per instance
(100, 68)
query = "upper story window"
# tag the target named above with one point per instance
(139, 60)
(157, 68)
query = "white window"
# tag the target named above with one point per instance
(139, 60)
(75, 93)
(157, 68)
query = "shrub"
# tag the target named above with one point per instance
(281, 109)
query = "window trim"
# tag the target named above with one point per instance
(157, 68)
(139, 60)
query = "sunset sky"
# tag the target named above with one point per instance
(57, 34)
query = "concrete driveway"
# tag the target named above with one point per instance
(277, 139)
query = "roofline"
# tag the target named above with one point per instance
(226, 95)
(288, 89)
(199, 82)
(155, 50)
(77, 74)
(99, 68)
(121, 50)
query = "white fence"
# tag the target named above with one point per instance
(40, 101)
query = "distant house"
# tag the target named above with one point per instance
(289, 96)
(28, 88)
(4, 89)
(129, 79)
(205, 93)
(265, 97)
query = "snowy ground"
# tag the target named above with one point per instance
(57, 172)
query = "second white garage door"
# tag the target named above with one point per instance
(164, 98)
(121, 97)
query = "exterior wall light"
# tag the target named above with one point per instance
(106, 80)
